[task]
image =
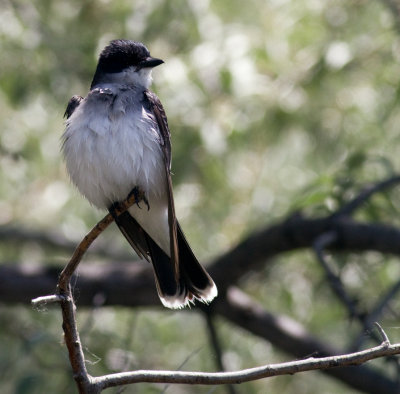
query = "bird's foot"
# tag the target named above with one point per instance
(136, 192)
(113, 210)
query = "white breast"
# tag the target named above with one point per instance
(111, 144)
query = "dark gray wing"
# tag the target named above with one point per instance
(158, 110)
(73, 104)
(193, 279)
(154, 104)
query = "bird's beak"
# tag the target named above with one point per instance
(150, 62)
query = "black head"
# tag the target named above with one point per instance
(118, 55)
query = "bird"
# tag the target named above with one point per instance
(117, 142)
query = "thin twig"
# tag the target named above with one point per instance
(74, 345)
(68, 308)
(45, 300)
(181, 365)
(208, 378)
(375, 314)
(214, 340)
(385, 339)
(336, 284)
(362, 197)
(290, 337)
(84, 245)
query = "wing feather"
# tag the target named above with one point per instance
(157, 109)
(73, 104)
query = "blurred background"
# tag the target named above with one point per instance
(274, 106)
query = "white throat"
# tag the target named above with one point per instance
(139, 79)
(130, 76)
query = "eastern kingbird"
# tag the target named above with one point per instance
(116, 142)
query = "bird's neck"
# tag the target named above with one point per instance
(140, 79)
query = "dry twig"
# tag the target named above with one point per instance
(64, 297)
(208, 378)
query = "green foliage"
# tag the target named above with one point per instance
(273, 106)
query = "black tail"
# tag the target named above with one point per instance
(193, 281)
(196, 279)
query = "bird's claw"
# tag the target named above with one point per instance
(138, 197)
(146, 201)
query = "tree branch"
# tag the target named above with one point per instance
(64, 297)
(124, 283)
(334, 281)
(366, 194)
(283, 332)
(209, 378)
(375, 314)
(296, 232)
(53, 239)
(214, 340)
(292, 338)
